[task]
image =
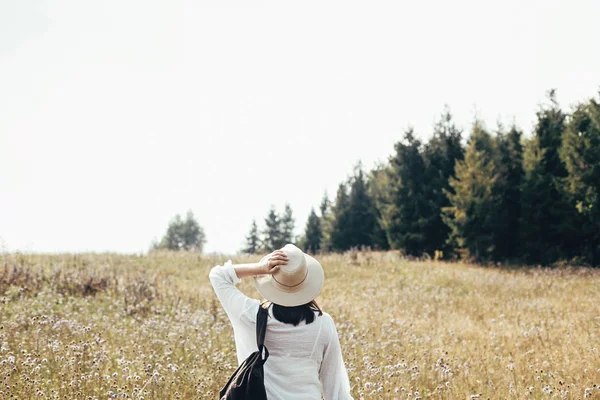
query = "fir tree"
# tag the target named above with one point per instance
(252, 240)
(313, 235)
(339, 237)
(363, 227)
(470, 215)
(440, 155)
(326, 223)
(173, 238)
(534, 191)
(193, 234)
(549, 224)
(508, 189)
(287, 226)
(404, 206)
(272, 235)
(185, 235)
(380, 184)
(380, 239)
(581, 155)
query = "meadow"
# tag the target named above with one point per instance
(149, 327)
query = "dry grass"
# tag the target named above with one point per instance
(108, 326)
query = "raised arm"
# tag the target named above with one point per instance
(223, 279)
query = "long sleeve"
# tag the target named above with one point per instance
(223, 279)
(333, 374)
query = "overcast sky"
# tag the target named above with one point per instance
(116, 115)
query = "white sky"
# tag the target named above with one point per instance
(116, 115)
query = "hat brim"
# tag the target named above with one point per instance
(314, 283)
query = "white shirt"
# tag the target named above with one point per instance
(305, 361)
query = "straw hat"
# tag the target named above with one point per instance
(295, 283)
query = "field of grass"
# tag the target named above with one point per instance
(112, 326)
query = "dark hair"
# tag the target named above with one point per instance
(297, 314)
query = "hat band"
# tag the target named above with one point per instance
(291, 288)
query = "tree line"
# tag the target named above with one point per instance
(494, 196)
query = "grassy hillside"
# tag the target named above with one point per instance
(102, 326)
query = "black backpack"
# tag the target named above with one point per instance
(248, 381)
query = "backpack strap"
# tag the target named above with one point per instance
(261, 324)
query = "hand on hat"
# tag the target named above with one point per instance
(271, 263)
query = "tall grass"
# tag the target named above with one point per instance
(112, 326)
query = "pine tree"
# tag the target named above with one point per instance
(272, 235)
(363, 227)
(534, 191)
(404, 205)
(380, 184)
(339, 236)
(581, 155)
(508, 189)
(287, 226)
(440, 154)
(470, 215)
(313, 234)
(326, 223)
(252, 240)
(185, 235)
(173, 238)
(549, 224)
(374, 179)
(193, 234)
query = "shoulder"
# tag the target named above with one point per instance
(328, 324)
(327, 317)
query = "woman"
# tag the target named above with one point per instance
(305, 360)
